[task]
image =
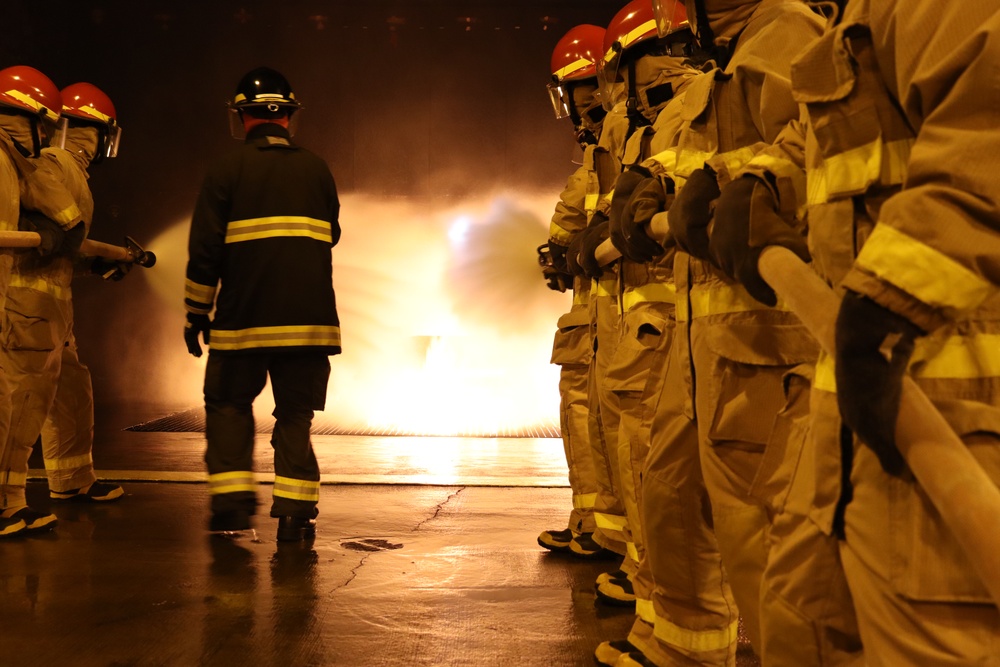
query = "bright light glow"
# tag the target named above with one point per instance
(446, 322)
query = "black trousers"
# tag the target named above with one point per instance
(232, 382)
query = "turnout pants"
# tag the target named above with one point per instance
(232, 382)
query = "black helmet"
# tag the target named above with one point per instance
(266, 89)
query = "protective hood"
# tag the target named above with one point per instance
(657, 79)
(725, 17)
(587, 103)
(20, 129)
(81, 143)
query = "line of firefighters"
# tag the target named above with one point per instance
(736, 468)
(48, 141)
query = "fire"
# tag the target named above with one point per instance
(446, 323)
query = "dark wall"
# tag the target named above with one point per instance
(416, 99)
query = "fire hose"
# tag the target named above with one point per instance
(954, 481)
(131, 252)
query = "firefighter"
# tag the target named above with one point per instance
(36, 313)
(607, 540)
(730, 352)
(656, 66)
(26, 97)
(261, 238)
(902, 220)
(574, 94)
(90, 135)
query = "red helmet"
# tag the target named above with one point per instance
(634, 23)
(26, 88)
(85, 102)
(577, 53)
(671, 16)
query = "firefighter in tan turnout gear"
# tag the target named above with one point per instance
(260, 252)
(56, 203)
(902, 148)
(574, 94)
(28, 99)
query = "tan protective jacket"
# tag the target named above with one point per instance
(730, 117)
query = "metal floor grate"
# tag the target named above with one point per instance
(193, 420)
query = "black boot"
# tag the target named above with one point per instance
(295, 528)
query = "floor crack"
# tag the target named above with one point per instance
(437, 510)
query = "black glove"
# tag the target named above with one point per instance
(74, 239)
(625, 186)
(552, 258)
(874, 346)
(650, 197)
(109, 269)
(691, 213)
(590, 239)
(49, 230)
(196, 324)
(746, 222)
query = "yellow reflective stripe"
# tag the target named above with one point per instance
(921, 271)
(25, 99)
(957, 357)
(305, 334)
(584, 501)
(296, 489)
(604, 287)
(852, 171)
(737, 159)
(935, 358)
(695, 640)
(580, 64)
(667, 159)
(91, 111)
(825, 378)
(581, 297)
(644, 610)
(40, 284)
(68, 215)
(786, 169)
(198, 292)
(651, 292)
(69, 462)
(688, 161)
(590, 202)
(231, 482)
(610, 521)
(557, 233)
(636, 33)
(633, 552)
(722, 299)
(263, 228)
(14, 478)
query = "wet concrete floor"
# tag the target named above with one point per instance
(443, 571)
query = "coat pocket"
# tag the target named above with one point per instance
(645, 335)
(573, 343)
(927, 564)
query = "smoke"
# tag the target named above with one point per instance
(446, 323)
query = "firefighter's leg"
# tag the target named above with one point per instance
(68, 433)
(609, 512)
(807, 613)
(299, 382)
(693, 619)
(31, 354)
(232, 382)
(918, 600)
(572, 351)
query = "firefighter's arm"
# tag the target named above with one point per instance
(935, 252)
(205, 245)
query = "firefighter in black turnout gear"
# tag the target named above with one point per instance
(259, 251)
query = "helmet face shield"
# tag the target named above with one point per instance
(560, 98)
(112, 140)
(670, 16)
